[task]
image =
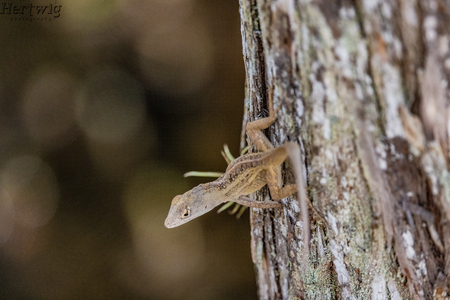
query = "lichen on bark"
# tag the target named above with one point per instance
(365, 96)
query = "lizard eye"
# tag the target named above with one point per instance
(186, 212)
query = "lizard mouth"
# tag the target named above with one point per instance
(171, 223)
(168, 224)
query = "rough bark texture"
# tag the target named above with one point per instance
(362, 87)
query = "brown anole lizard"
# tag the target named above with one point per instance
(245, 175)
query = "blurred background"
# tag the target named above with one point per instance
(104, 105)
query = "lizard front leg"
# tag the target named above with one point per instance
(262, 143)
(256, 136)
(273, 175)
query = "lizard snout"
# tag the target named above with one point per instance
(168, 222)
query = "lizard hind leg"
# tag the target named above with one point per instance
(274, 159)
(280, 193)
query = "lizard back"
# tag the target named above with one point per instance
(244, 175)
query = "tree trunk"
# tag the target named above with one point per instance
(362, 87)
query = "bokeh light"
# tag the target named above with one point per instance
(110, 106)
(30, 190)
(101, 112)
(48, 107)
(166, 258)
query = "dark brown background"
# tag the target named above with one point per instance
(101, 112)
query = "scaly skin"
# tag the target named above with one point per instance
(244, 176)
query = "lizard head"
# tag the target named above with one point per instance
(188, 206)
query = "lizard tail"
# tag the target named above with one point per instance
(293, 151)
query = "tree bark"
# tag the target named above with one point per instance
(362, 87)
